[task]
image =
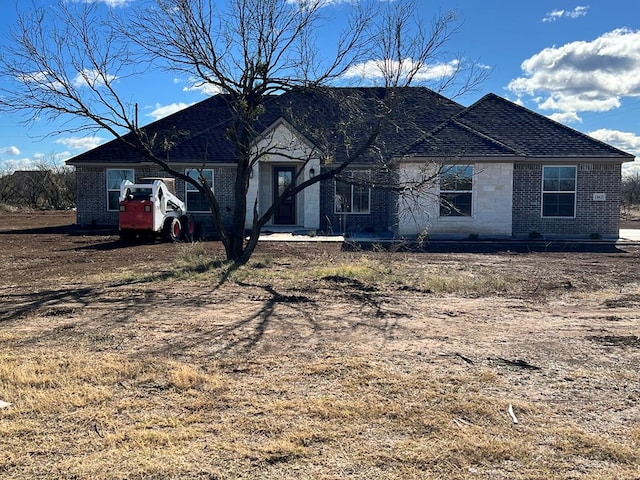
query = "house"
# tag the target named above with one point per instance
(499, 169)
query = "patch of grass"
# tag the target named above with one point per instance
(8, 208)
(575, 441)
(193, 260)
(105, 415)
(363, 273)
(186, 377)
(261, 261)
(380, 270)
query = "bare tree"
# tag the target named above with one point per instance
(631, 190)
(58, 186)
(49, 186)
(8, 189)
(67, 63)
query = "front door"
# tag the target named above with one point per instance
(286, 213)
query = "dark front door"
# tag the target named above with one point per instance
(286, 213)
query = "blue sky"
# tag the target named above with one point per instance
(576, 62)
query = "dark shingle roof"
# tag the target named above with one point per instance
(418, 122)
(196, 129)
(531, 134)
(453, 139)
(334, 119)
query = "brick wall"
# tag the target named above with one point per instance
(92, 194)
(591, 216)
(491, 211)
(223, 184)
(382, 208)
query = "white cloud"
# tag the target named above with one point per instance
(632, 168)
(12, 151)
(554, 15)
(80, 143)
(566, 117)
(375, 69)
(627, 141)
(197, 85)
(110, 3)
(91, 78)
(61, 157)
(162, 111)
(41, 80)
(85, 78)
(9, 166)
(583, 76)
(35, 162)
(579, 11)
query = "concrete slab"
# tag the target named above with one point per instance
(627, 235)
(292, 237)
(630, 234)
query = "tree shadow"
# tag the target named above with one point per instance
(122, 317)
(244, 335)
(18, 306)
(53, 230)
(118, 243)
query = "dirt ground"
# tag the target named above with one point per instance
(561, 329)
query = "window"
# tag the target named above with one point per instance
(196, 201)
(456, 186)
(350, 197)
(559, 191)
(114, 179)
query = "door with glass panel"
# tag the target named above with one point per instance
(283, 177)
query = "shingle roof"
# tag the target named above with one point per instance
(334, 119)
(419, 122)
(531, 134)
(453, 139)
(196, 129)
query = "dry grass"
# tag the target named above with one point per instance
(98, 395)
(88, 415)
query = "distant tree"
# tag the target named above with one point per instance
(48, 187)
(68, 63)
(58, 190)
(631, 189)
(7, 189)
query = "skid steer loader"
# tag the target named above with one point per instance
(151, 208)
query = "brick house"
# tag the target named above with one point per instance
(499, 169)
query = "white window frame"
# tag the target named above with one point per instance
(109, 190)
(574, 192)
(188, 188)
(351, 174)
(453, 214)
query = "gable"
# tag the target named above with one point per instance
(453, 139)
(495, 127)
(282, 139)
(532, 134)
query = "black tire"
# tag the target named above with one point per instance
(127, 235)
(188, 228)
(172, 229)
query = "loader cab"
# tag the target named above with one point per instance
(170, 183)
(139, 194)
